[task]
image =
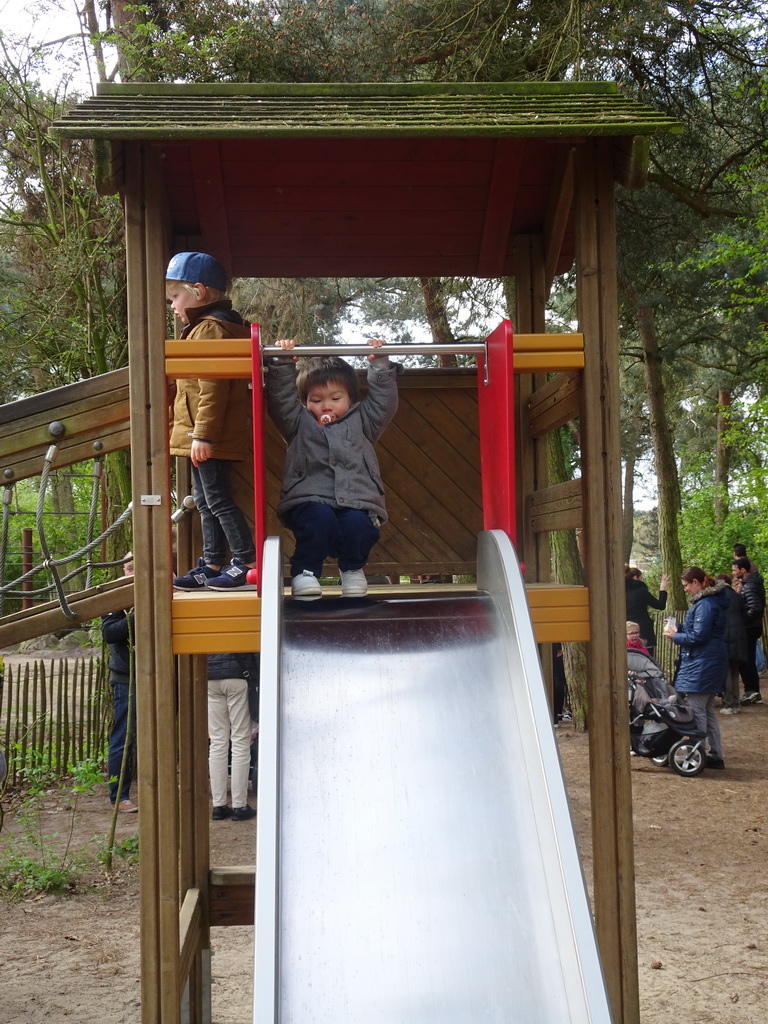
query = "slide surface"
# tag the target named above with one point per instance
(416, 858)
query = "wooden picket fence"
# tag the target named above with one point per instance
(53, 714)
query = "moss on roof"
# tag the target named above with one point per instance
(230, 110)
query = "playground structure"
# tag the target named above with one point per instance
(498, 180)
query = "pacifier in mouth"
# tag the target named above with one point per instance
(326, 418)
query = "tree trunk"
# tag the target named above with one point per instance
(628, 505)
(90, 20)
(664, 456)
(632, 435)
(437, 316)
(722, 456)
(131, 45)
(567, 568)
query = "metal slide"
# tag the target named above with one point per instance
(416, 860)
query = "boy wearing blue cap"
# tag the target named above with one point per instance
(209, 424)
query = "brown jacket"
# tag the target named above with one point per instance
(218, 411)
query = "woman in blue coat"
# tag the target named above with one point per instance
(703, 654)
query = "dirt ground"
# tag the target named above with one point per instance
(700, 848)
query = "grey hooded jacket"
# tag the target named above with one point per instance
(334, 464)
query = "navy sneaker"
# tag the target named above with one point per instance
(232, 578)
(196, 578)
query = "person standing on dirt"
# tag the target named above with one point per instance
(748, 582)
(736, 641)
(639, 600)
(117, 631)
(230, 726)
(703, 654)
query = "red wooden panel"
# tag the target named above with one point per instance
(271, 222)
(304, 199)
(259, 477)
(369, 149)
(497, 431)
(353, 247)
(352, 174)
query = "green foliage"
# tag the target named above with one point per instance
(710, 545)
(67, 507)
(65, 302)
(23, 876)
(32, 861)
(127, 849)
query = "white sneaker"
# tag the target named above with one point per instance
(730, 711)
(306, 584)
(354, 583)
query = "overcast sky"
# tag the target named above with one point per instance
(54, 25)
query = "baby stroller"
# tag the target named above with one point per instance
(661, 725)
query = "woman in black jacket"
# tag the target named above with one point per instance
(639, 600)
(737, 643)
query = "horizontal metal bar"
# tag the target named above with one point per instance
(415, 349)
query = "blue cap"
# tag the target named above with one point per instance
(194, 267)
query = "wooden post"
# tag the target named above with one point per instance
(601, 472)
(194, 852)
(155, 679)
(531, 297)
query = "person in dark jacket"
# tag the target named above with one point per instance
(748, 582)
(736, 642)
(117, 631)
(703, 654)
(639, 600)
(229, 722)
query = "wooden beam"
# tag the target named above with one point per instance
(558, 507)
(558, 213)
(210, 200)
(613, 856)
(231, 893)
(155, 674)
(631, 158)
(532, 453)
(534, 353)
(83, 420)
(190, 918)
(48, 617)
(555, 404)
(500, 206)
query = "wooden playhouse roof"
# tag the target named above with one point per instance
(367, 180)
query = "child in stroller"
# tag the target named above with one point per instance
(661, 725)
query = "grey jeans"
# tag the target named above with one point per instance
(705, 714)
(221, 519)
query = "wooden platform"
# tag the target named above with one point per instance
(207, 623)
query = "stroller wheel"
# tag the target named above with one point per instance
(687, 758)
(661, 760)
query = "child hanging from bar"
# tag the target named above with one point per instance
(332, 497)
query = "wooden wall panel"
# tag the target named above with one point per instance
(430, 462)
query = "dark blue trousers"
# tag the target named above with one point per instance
(117, 738)
(324, 531)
